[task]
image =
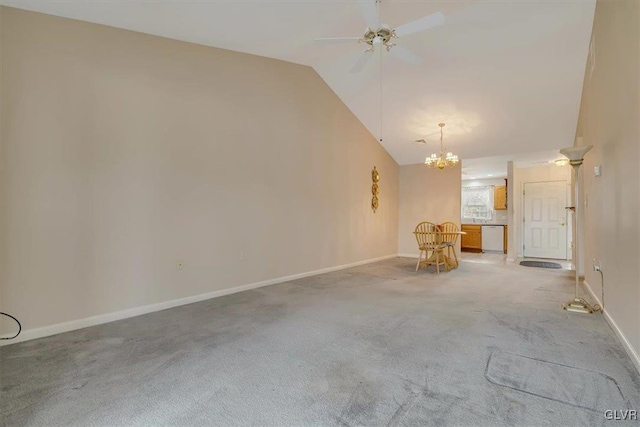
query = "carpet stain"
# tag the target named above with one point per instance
(361, 408)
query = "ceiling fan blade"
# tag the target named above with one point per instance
(360, 63)
(424, 23)
(335, 40)
(370, 13)
(406, 55)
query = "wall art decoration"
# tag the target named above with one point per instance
(375, 189)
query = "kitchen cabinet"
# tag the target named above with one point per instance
(472, 241)
(500, 197)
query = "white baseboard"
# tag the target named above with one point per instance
(58, 328)
(593, 295)
(633, 354)
(408, 256)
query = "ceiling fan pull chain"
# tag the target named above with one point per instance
(380, 54)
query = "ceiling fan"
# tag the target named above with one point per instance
(379, 35)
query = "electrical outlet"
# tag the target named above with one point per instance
(596, 265)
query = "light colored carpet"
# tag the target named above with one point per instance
(374, 345)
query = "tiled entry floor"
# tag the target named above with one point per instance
(501, 259)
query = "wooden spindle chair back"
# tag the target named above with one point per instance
(429, 240)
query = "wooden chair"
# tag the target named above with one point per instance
(428, 239)
(450, 238)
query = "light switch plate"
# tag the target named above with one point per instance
(596, 170)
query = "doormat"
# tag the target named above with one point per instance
(542, 264)
(573, 386)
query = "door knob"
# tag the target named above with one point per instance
(562, 223)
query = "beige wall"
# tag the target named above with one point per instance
(534, 174)
(125, 155)
(3, 319)
(609, 120)
(427, 194)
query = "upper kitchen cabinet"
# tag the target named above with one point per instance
(500, 197)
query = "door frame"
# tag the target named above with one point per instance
(569, 218)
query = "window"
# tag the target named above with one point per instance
(477, 203)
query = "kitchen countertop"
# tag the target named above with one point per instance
(484, 223)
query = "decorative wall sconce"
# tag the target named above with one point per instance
(375, 190)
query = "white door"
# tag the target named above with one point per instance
(545, 219)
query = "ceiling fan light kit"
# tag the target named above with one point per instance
(380, 34)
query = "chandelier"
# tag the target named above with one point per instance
(443, 159)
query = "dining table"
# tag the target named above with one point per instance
(450, 262)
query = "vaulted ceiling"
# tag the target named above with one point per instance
(505, 76)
